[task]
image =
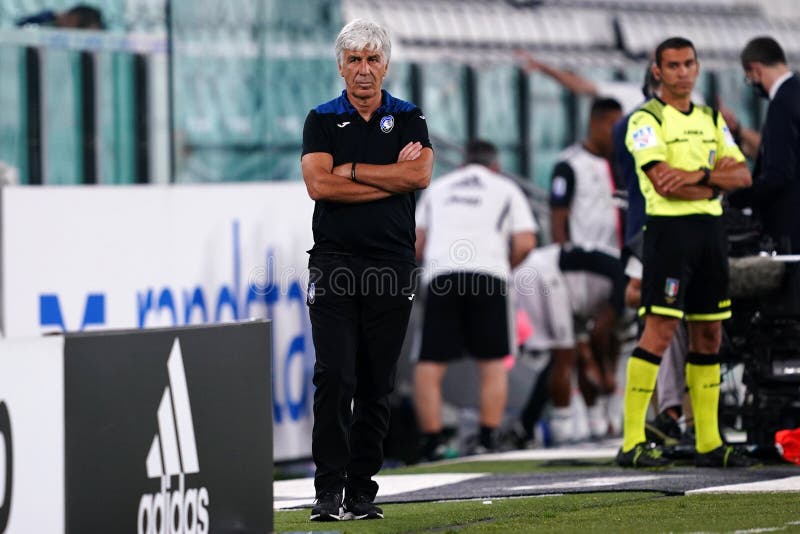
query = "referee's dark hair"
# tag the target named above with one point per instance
(601, 106)
(481, 152)
(673, 43)
(765, 50)
(651, 84)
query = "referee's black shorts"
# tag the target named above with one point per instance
(685, 268)
(465, 311)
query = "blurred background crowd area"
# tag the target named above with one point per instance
(110, 106)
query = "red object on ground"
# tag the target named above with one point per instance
(788, 444)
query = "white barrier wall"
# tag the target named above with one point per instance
(137, 431)
(87, 258)
(32, 435)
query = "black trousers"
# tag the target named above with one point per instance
(359, 311)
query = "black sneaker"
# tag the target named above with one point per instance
(432, 447)
(515, 437)
(684, 450)
(328, 507)
(473, 446)
(642, 455)
(724, 456)
(663, 430)
(360, 506)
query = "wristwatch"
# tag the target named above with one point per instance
(706, 176)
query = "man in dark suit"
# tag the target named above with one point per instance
(775, 193)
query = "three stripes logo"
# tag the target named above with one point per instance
(173, 452)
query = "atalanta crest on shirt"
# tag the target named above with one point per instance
(671, 288)
(387, 123)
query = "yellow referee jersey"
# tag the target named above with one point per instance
(688, 141)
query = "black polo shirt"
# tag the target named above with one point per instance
(381, 228)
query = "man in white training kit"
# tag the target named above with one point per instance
(473, 226)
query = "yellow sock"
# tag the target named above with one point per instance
(702, 379)
(639, 386)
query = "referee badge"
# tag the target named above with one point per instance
(671, 290)
(310, 295)
(644, 137)
(387, 123)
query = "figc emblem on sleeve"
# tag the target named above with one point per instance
(671, 290)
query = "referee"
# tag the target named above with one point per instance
(684, 156)
(365, 153)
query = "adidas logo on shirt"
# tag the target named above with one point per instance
(173, 452)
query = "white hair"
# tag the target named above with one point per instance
(361, 34)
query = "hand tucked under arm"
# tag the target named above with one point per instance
(729, 175)
(410, 152)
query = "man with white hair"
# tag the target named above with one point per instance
(365, 153)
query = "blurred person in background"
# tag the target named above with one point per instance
(563, 288)
(624, 164)
(584, 213)
(365, 154)
(775, 193)
(473, 226)
(684, 156)
(748, 139)
(628, 94)
(582, 206)
(81, 16)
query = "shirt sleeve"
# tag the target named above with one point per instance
(315, 136)
(422, 215)
(416, 129)
(634, 268)
(562, 185)
(645, 140)
(522, 219)
(726, 145)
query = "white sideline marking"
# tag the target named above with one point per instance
(594, 482)
(560, 453)
(763, 486)
(300, 492)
